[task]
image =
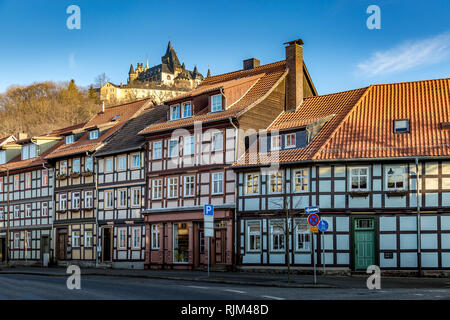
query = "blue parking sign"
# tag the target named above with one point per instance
(208, 210)
(323, 225)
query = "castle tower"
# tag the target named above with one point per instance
(132, 75)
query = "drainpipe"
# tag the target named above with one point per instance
(52, 237)
(225, 98)
(235, 189)
(94, 164)
(419, 240)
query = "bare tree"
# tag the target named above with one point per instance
(101, 79)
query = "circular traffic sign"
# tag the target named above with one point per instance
(323, 225)
(313, 219)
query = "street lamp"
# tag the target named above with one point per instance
(7, 214)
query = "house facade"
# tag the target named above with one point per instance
(75, 223)
(121, 193)
(26, 200)
(189, 158)
(375, 160)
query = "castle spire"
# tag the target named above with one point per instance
(209, 73)
(131, 69)
(146, 64)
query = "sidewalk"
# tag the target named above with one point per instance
(243, 278)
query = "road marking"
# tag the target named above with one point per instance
(235, 291)
(198, 287)
(274, 298)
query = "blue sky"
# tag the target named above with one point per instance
(341, 53)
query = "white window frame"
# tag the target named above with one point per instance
(63, 200)
(63, 167)
(386, 175)
(28, 180)
(157, 155)
(157, 189)
(398, 128)
(274, 177)
(215, 105)
(217, 182)
(109, 199)
(44, 209)
(189, 186)
(2, 214)
(281, 235)
(88, 237)
(89, 164)
(298, 181)
(304, 231)
(183, 109)
(135, 237)
(76, 199)
(44, 178)
(257, 235)
(173, 108)
(76, 165)
(122, 163)
(121, 236)
(28, 210)
(290, 145)
(16, 240)
(109, 160)
(93, 134)
(88, 199)
(172, 187)
(122, 202)
(273, 146)
(155, 236)
(189, 146)
(173, 152)
(133, 197)
(69, 139)
(16, 209)
(2, 156)
(251, 178)
(76, 239)
(358, 175)
(217, 143)
(135, 165)
(16, 182)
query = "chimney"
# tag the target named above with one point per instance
(294, 80)
(251, 64)
(103, 106)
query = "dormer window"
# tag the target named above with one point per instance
(93, 134)
(401, 125)
(289, 140)
(28, 151)
(216, 103)
(2, 157)
(70, 139)
(275, 143)
(175, 112)
(187, 110)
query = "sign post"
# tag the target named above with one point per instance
(313, 220)
(323, 226)
(208, 224)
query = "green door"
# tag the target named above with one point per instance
(364, 242)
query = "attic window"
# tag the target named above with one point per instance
(401, 125)
(445, 125)
(216, 103)
(115, 117)
(2, 157)
(93, 134)
(69, 139)
(29, 151)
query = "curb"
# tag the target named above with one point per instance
(223, 281)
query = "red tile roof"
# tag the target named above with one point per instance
(102, 119)
(362, 125)
(247, 87)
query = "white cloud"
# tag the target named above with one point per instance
(408, 55)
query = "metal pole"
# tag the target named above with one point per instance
(323, 252)
(419, 242)
(209, 253)
(314, 257)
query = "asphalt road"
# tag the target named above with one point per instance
(32, 287)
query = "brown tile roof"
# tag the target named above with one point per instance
(125, 112)
(363, 123)
(6, 139)
(257, 82)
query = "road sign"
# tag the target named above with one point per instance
(313, 219)
(313, 209)
(323, 225)
(314, 230)
(208, 220)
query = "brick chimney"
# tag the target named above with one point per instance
(294, 80)
(251, 63)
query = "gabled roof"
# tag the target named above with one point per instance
(127, 138)
(7, 139)
(362, 124)
(246, 87)
(103, 121)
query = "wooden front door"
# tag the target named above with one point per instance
(364, 242)
(106, 245)
(220, 242)
(62, 245)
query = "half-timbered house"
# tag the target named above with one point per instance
(27, 181)
(375, 160)
(121, 183)
(190, 155)
(75, 222)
